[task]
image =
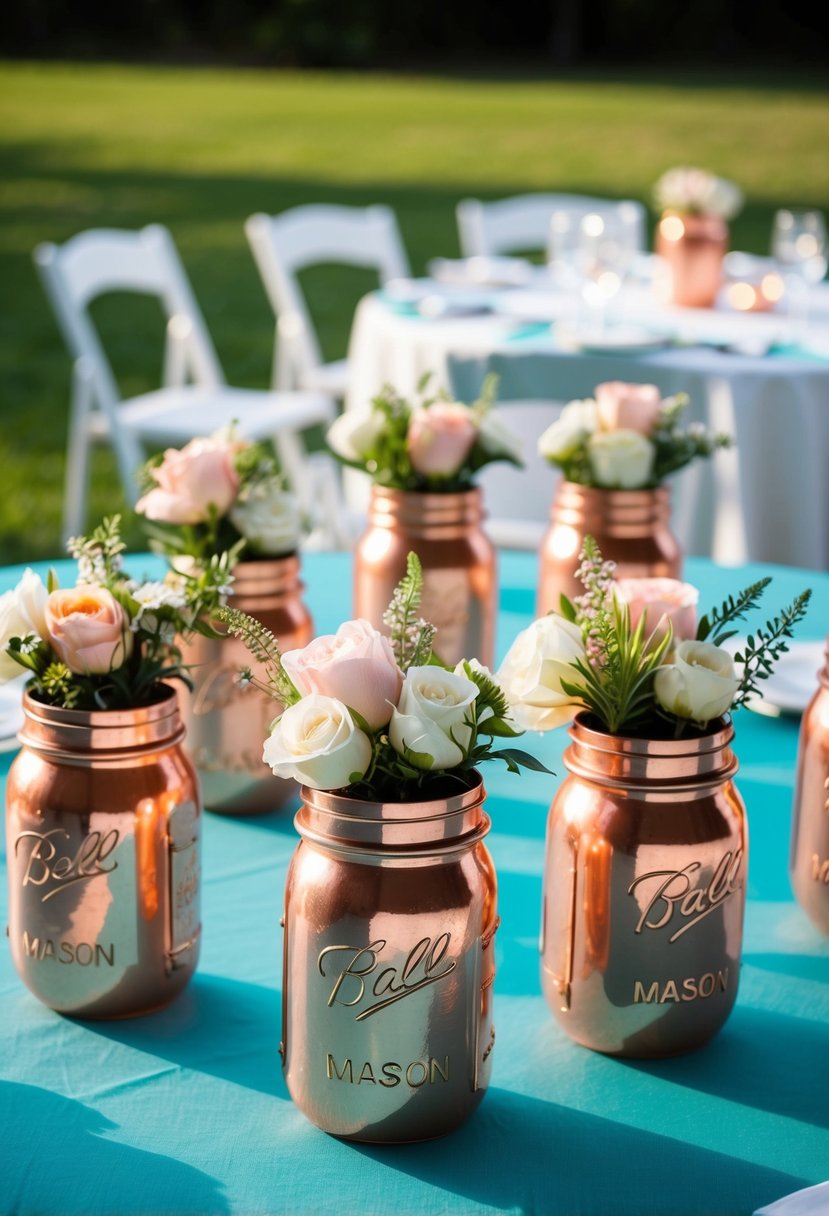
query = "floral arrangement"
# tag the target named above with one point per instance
(600, 655)
(379, 717)
(432, 444)
(698, 192)
(218, 494)
(626, 437)
(109, 641)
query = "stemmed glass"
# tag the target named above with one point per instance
(798, 245)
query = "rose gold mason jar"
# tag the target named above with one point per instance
(226, 721)
(460, 585)
(390, 916)
(102, 841)
(693, 248)
(809, 862)
(644, 891)
(631, 528)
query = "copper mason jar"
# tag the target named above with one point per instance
(390, 916)
(644, 891)
(693, 248)
(809, 863)
(227, 722)
(631, 528)
(460, 585)
(102, 841)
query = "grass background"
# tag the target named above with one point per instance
(97, 145)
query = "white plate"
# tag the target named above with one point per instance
(11, 712)
(482, 271)
(617, 338)
(794, 680)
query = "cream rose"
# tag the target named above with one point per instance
(431, 714)
(353, 434)
(571, 430)
(317, 743)
(700, 683)
(22, 612)
(191, 481)
(269, 519)
(631, 407)
(664, 601)
(87, 628)
(355, 665)
(440, 438)
(621, 459)
(531, 674)
(496, 439)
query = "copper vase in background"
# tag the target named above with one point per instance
(631, 528)
(644, 891)
(460, 585)
(102, 840)
(227, 722)
(390, 916)
(809, 863)
(693, 248)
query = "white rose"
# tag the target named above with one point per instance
(531, 674)
(700, 683)
(269, 519)
(353, 434)
(621, 459)
(430, 716)
(317, 743)
(571, 430)
(22, 612)
(497, 439)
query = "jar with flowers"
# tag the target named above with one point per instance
(647, 842)
(616, 451)
(224, 494)
(422, 457)
(102, 802)
(391, 898)
(692, 233)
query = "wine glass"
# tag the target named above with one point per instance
(798, 245)
(607, 249)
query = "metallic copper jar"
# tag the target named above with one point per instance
(390, 916)
(460, 585)
(102, 840)
(226, 721)
(693, 248)
(631, 527)
(644, 891)
(809, 863)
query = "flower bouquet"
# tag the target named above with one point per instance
(647, 843)
(692, 233)
(616, 451)
(390, 901)
(102, 802)
(224, 494)
(422, 457)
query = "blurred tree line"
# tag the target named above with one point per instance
(365, 33)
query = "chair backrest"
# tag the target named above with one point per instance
(103, 260)
(522, 223)
(284, 244)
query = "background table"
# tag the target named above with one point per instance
(185, 1111)
(765, 500)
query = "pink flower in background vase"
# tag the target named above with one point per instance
(632, 407)
(88, 629)
(191, 482)
(665, 600)
(356, 665)
(440, 438)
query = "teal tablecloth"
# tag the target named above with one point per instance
(185, 1111)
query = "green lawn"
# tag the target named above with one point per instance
(199, 150)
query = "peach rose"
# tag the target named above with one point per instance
(356, 665)
(664, 600)
(440, 438)
(190, 481)
(630, 407)
(87, 629)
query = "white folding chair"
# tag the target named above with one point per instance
(284, 244)
(522, 223)
(193, 400)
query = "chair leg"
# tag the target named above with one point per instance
(79, 443)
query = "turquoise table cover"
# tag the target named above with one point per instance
(185, 1111)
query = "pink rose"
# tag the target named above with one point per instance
(87, 629)
(356, 665)
(190, 481)
(664, 600)
(440, 438)
(630, 407)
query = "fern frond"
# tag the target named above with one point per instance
(264, 647)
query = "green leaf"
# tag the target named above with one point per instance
(515, 759)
